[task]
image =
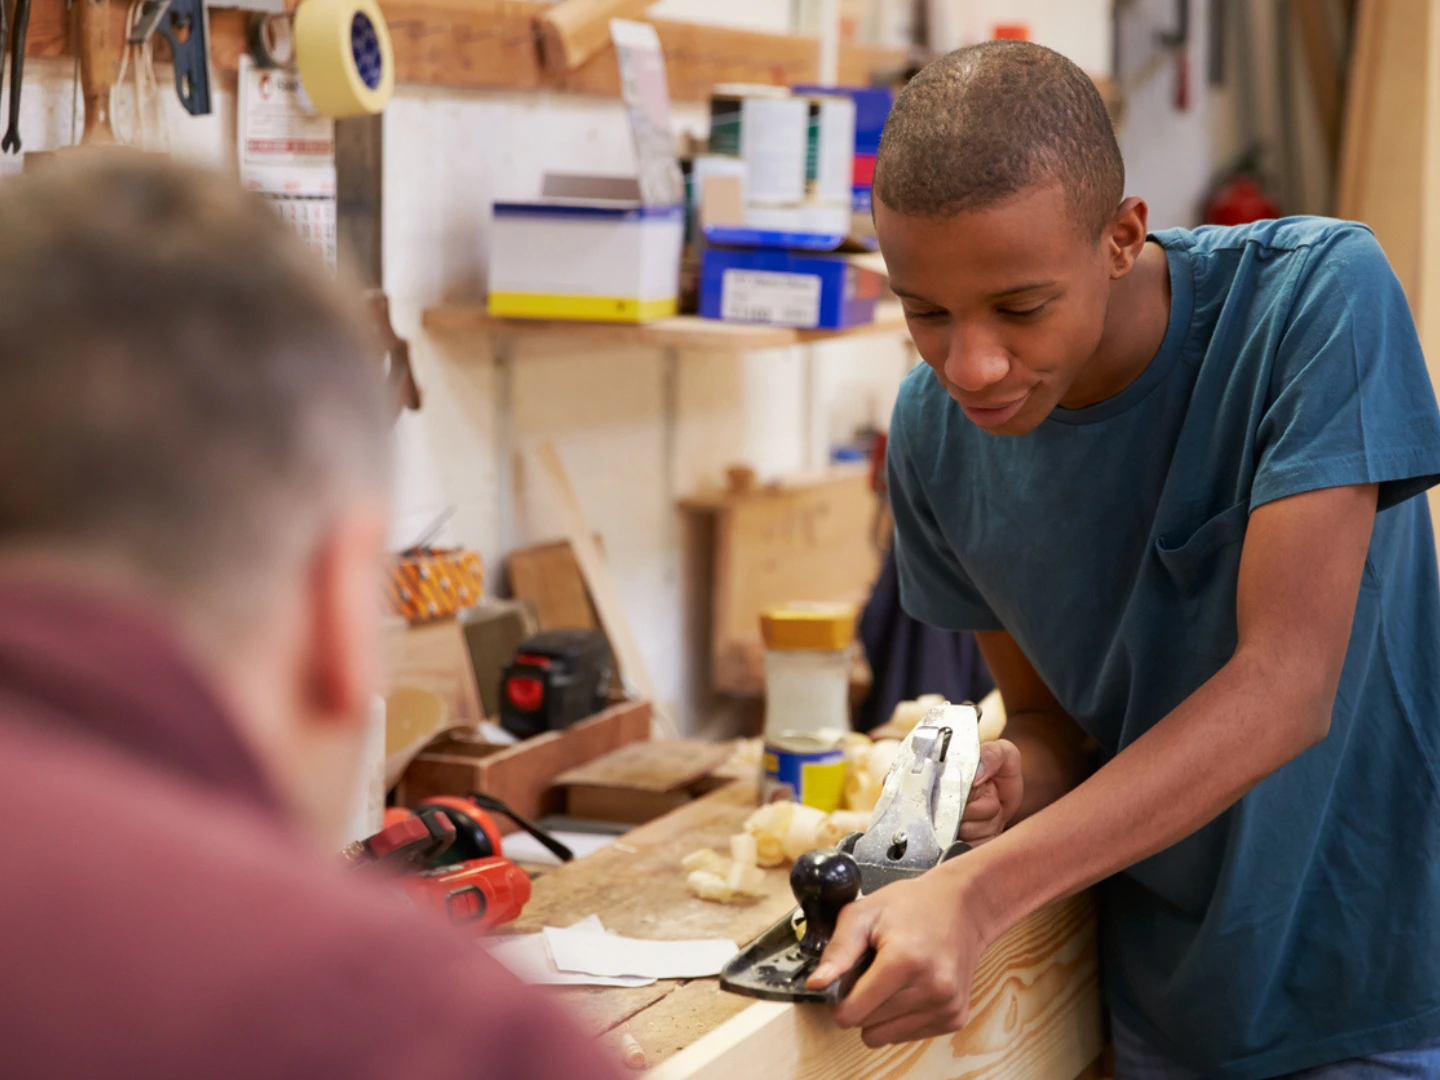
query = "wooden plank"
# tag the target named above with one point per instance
(523, 775)
(802, 542)
(492, 45)
(637, 886)
(598, 579)
(1381, 159)
(1034, 1012)
(434, 657)
(549, 575)
(679, 332)
(661, 765)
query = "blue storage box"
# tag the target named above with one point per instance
(782, 288)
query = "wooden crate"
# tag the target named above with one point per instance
(523, 775)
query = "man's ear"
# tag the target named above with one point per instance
(1127, 236)
(342, 661)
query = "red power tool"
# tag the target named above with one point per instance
(447, 856)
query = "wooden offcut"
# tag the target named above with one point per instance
(573, 31)
(642, 781)
(549, 576)
(434, 657)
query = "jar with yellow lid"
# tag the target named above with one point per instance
(807, 702)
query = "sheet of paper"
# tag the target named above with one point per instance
(585, 952)
(524, 848)
(529, 960)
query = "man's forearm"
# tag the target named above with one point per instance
(1244, 723)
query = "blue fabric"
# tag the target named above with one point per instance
(1303, 925)
(1136, 1059)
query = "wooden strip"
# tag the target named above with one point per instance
(573, 31)
(597, 574)
(1034, 1012)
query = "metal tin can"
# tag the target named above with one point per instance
(806, 768)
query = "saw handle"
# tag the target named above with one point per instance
(823, 883)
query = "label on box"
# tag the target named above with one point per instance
(767, 296)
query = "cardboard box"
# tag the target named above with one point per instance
(784, 288)
(611, 260)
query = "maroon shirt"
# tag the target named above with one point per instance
(160, 918)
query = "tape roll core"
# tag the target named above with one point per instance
(344, 56)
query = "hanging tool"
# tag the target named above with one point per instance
(915, 826)
(11, 142)
(91, 36)
(185, 25)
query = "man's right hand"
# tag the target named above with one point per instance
(996, 794)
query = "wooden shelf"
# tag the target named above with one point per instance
(491, 45)
(679, 332)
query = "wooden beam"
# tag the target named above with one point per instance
(1034, 1012)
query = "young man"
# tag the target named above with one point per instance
(1174, 483)
(193, 474)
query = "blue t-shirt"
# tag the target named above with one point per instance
(1303, 925)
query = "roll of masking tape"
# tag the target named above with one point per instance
(343, 53)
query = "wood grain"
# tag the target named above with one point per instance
(1035, 1013)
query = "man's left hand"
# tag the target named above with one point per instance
(927, 946)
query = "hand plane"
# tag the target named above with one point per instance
(914, 827)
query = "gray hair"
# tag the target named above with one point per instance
(184, 391)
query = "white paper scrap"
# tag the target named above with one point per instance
(585, 952)
(529, 960)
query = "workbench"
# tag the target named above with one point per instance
(1035, 1011)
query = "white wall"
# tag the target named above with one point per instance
(631, 441)
(635, 429)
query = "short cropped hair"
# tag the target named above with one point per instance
(185, 391)
(985, 122)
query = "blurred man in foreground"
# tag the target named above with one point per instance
(193, 474)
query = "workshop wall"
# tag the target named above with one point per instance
(635, 430)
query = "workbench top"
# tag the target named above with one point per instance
(1036, 1006)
